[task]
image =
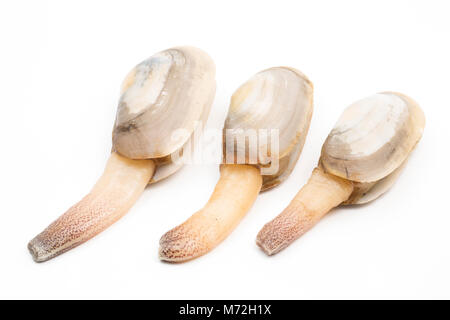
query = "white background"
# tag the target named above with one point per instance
(60, 70)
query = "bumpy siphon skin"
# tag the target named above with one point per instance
(322, 193)
(233, 196)
(116, 191)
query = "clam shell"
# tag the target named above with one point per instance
(171, 90)
(371, 142)
(281, 99)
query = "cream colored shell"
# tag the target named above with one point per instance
(371, 142)
(172, 90)
(281, 99)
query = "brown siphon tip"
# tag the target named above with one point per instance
(38, 251)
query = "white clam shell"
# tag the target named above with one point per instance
(281, 99)
(371, 142)
(172, 90)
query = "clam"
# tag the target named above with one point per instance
(264, 133)
(361, 159)
(171, 90)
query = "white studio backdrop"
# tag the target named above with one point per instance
(60, 70)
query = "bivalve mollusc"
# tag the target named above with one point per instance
(171, 90)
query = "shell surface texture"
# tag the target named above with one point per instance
(171, 90)
(275, 106)
(371, 142)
